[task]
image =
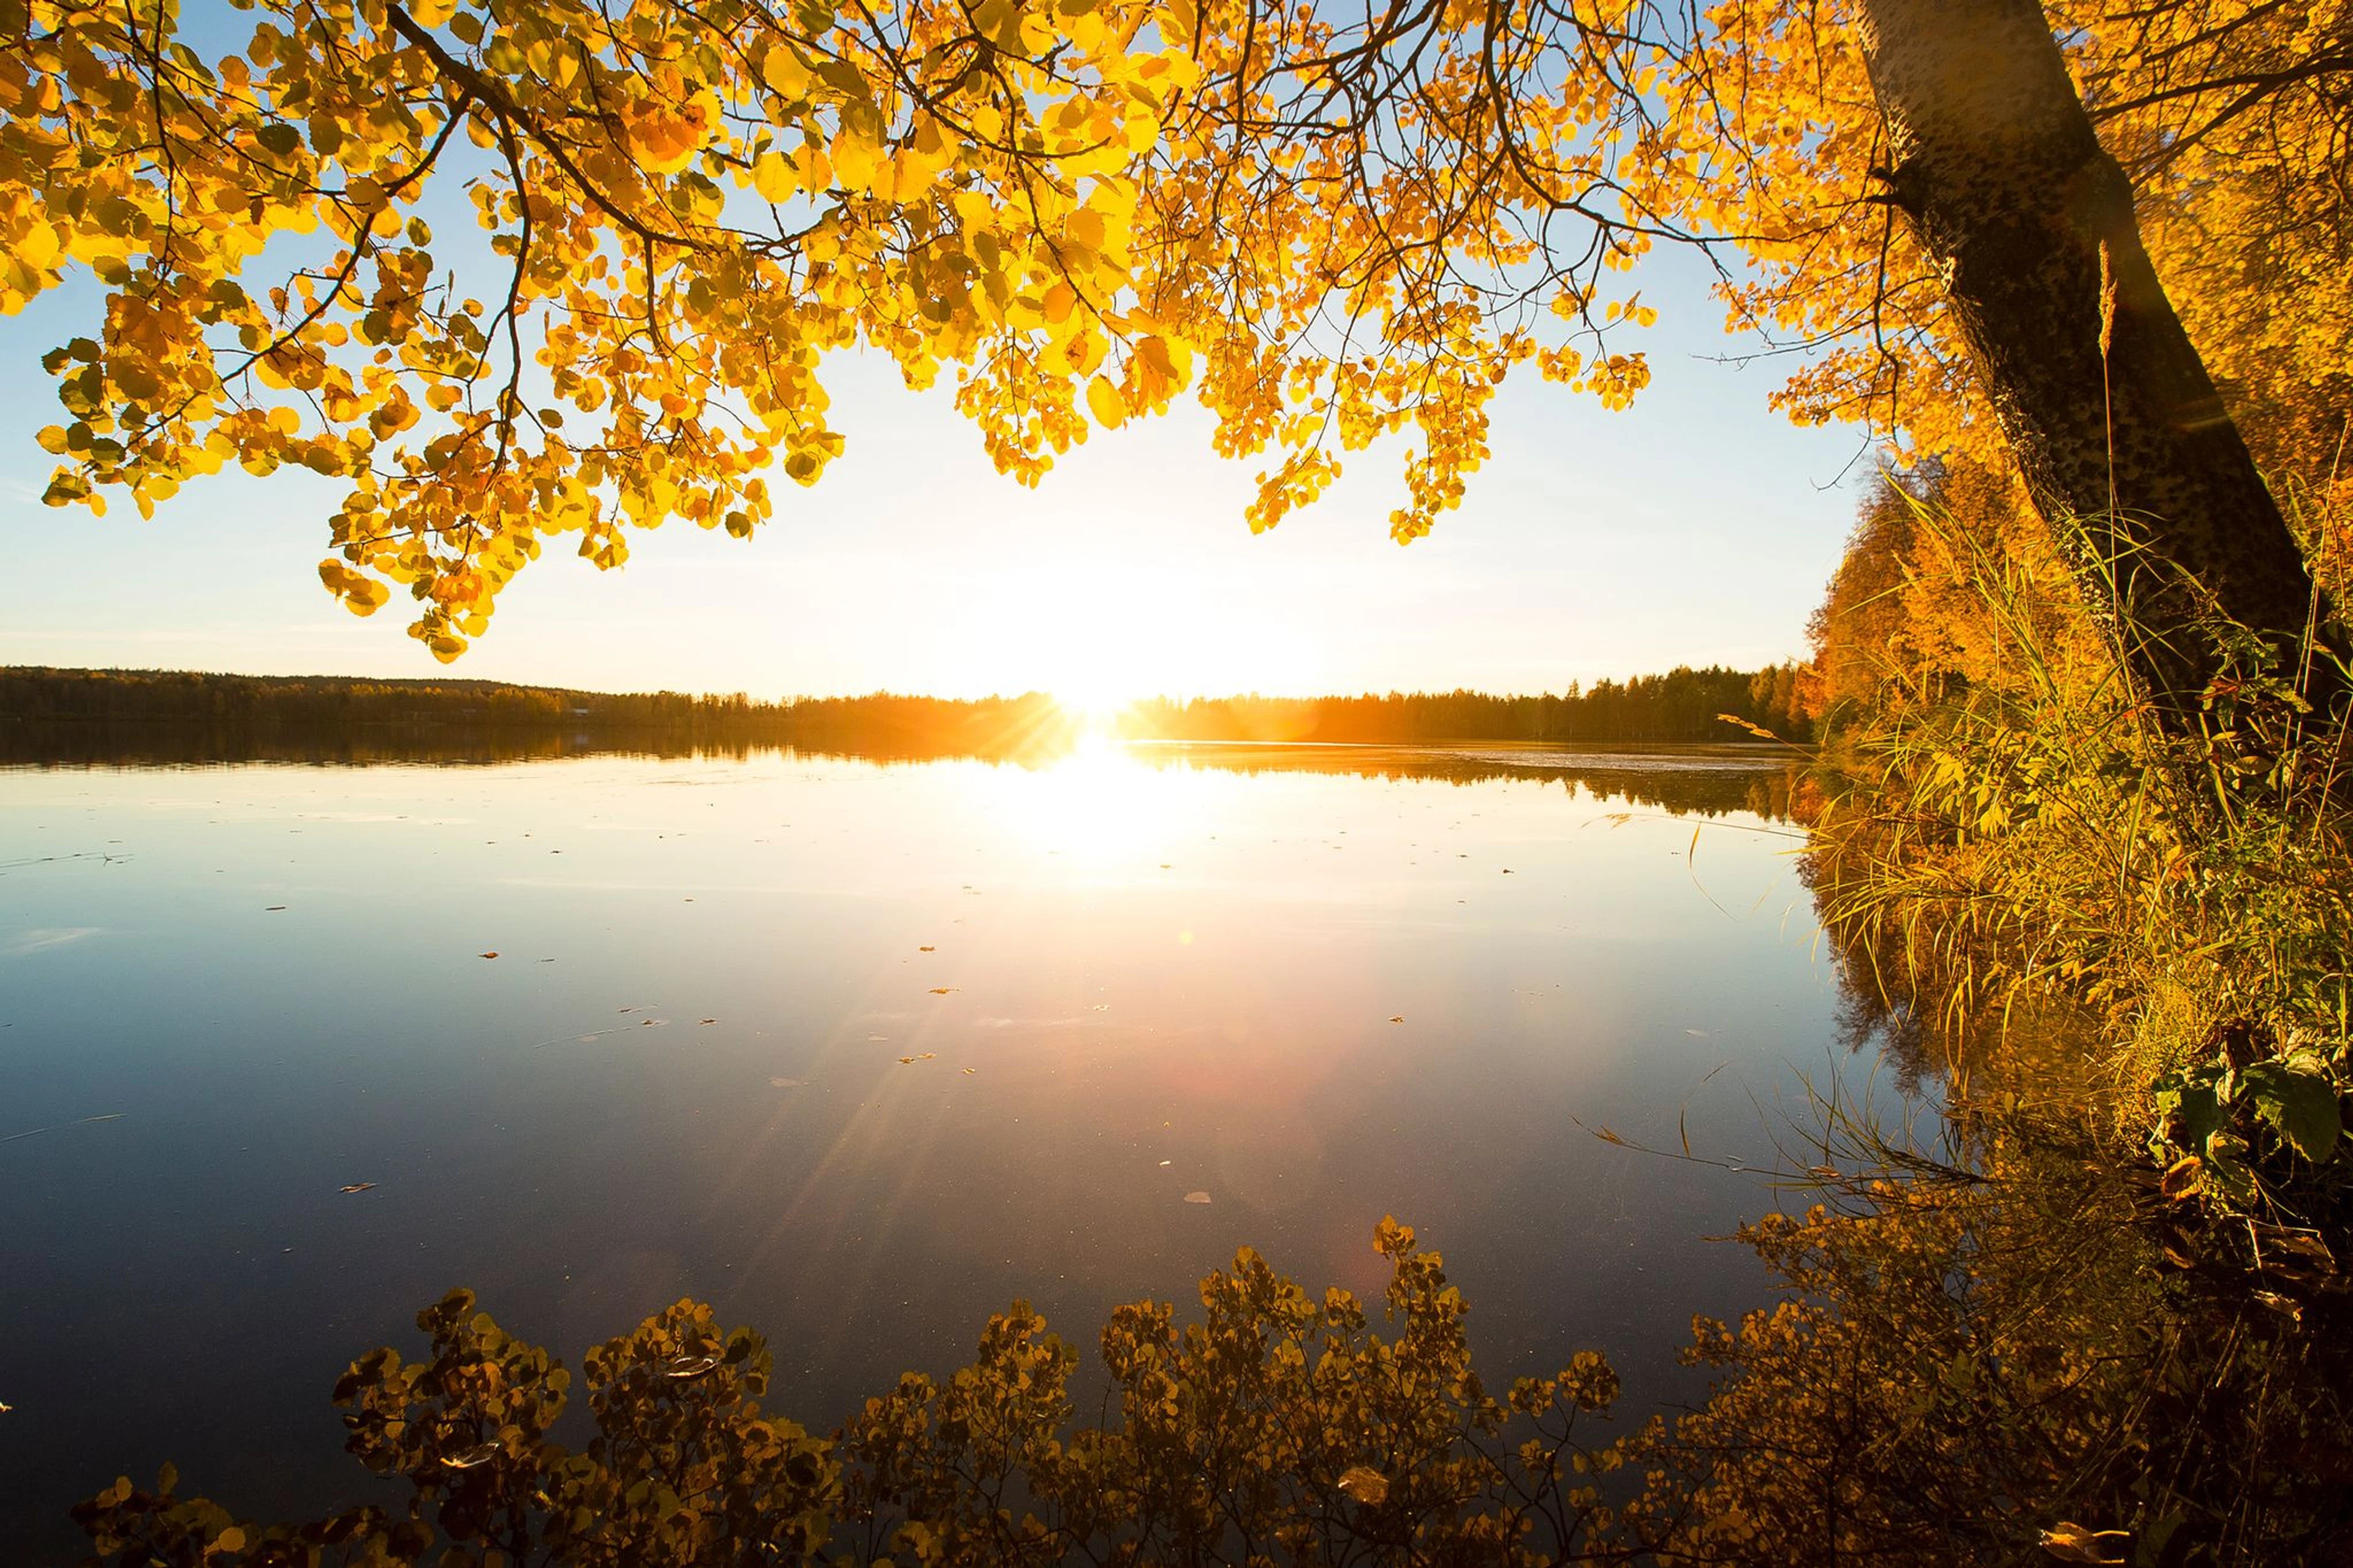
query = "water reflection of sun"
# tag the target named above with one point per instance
(1099, 803)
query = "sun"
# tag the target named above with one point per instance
(1094, 706)
(1096, 695)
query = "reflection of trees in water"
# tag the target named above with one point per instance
(1708, 781)
(2015, 1332)
(176, 744)
(438, 744)
(1968, 1358)
(1869, 1023)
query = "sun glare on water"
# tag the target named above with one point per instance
(1098, 803)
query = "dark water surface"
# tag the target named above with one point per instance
(860, 1054)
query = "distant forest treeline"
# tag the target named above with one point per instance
(1683, 705)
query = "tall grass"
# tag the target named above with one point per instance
(2028, 846)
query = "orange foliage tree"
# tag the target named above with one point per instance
(1327, 226)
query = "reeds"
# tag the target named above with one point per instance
(1999, 849)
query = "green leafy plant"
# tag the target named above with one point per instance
(2246, 1132)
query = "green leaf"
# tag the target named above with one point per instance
(2227, 1171)
(2300, 1106)
(2189, 1110)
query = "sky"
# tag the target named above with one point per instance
(1698, 527)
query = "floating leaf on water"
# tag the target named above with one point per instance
(467, 1459)
(927, 1056)
(1367, 1485)
(687, 1366)
(941, 990)
(927, 950)
(492, 954)
(969, 1071)
(1196, 1197)
(710, 1020)
(2073, 1544)
(1398, 1018)
(357, 1188)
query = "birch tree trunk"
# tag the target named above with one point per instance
(2125, 446)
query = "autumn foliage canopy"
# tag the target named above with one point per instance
(558, 270)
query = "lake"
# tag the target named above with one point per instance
(858, 1053)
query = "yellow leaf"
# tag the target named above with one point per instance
(855, 159)
(773, 177)
(781, 70)
(37, 246)
(1104, 402)
(1168, 356)
(1179, 19)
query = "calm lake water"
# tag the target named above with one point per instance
(860, 1053)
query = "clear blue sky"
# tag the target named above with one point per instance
(1698, 527)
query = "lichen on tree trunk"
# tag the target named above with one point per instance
(2124, 443)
